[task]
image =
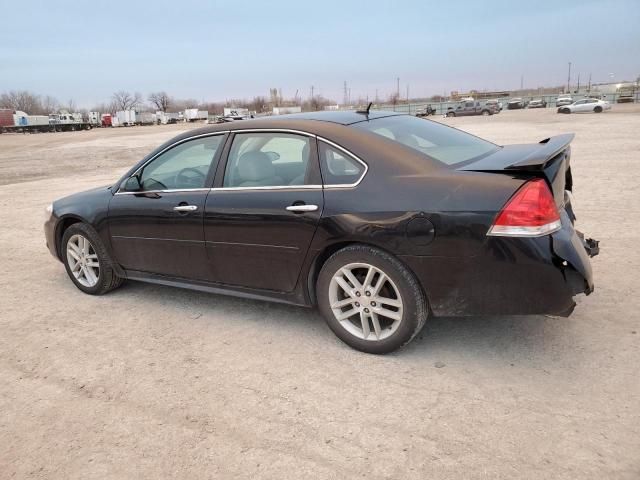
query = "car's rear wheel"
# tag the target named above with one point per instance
(87, 261)
(486, 112)
(598, 109)
(451, 114)
(370, 300)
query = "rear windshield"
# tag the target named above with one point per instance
(445, 144)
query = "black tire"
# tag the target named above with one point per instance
(598, 109)
(451, 114)
(486, 112)
(107, 278)
(414, 310)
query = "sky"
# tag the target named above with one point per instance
(218, 50)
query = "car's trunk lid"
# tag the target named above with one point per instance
(548, 159)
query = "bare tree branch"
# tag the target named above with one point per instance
(124, 100)
(160, 100)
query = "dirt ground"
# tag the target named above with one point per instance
(155, 382)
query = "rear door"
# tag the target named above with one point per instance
(263, 212)
(155, 218)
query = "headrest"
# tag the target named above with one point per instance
(255, 166)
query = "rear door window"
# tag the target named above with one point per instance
(339, 168)
(267, 160)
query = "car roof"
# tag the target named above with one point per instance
(313, 122)
(343, 117)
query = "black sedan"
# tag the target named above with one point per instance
(378, 219)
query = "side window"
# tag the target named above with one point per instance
(337, 167)
(184, 166)
(267, 160)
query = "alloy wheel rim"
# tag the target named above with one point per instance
(365, 301)
(83, 261)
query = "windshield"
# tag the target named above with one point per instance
(439, 142)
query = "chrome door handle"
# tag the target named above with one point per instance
(186, 208)
(302, 208)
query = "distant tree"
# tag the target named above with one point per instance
(23, 100)
(124, 100)
(70, 106)
(316, 103)
(105, 107)
(179, 105)
(50, 104)
(394, 98)
(258, 104)
(160, 100)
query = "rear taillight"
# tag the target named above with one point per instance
(531, 212)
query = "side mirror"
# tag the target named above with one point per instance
(132, 184)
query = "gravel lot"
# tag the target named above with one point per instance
(155, 382)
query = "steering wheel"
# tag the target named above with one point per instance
(190, 176)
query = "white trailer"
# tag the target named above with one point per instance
(126, 117)
(21, 119)
(146, 118)
(166, 117)
(193, 114)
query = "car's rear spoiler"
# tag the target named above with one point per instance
(530, 157)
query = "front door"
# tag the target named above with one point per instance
(156, 217)
(261, 217)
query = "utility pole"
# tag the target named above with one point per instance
(312, 93)
(398, 88)
(569, 79)
(345, 100)
(578, 88)
(589, 88)
(407, 93)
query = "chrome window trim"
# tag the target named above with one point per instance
(171, 190)
(274, 130)
(355, 157)
(210, 134)
(276, 187)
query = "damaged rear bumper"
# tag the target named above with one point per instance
(512, 276)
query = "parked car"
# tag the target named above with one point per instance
(516, 103)
(564, 100)
(586, 105)
(537, 103)
(378, 219)
(470, 108)
(495, 104)
(426, 111)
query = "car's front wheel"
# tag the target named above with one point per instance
(370, 300)
(451, 114)
(598, 109)
(87, 261)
